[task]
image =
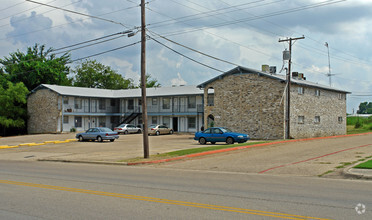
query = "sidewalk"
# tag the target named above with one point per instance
(356, 173)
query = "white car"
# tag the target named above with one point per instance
(127, 128)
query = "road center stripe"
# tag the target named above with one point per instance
(165, 201)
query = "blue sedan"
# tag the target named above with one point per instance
(220, 134)
(99, 134)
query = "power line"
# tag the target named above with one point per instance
(187, 56)
(194, 50)
(79, 13)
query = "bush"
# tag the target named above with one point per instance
(358, 124)
(73, 130)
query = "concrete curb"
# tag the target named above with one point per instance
(354, 173)
(83, 161)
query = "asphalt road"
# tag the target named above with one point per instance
(42, 190)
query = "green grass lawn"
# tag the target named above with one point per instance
(365, 165)
(365, 125)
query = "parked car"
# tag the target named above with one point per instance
(159, 129)
(220, 134)
(127, 128)
(99, 134)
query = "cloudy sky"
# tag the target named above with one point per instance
(242, 32)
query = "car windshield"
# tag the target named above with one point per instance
(225, 130)
(152, 126)
(105, 129)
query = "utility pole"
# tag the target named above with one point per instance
(143, 82)
(329, 66)
(287, 115)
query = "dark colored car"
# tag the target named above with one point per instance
(220, 134)
(99, 134)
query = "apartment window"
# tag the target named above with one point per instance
(317, 119)
(139, 102)
(301, 90)
(317, 92)
(191, 102)
(154, 120)
(339, 96)
(78, 122)
(112, 102)
(65, 100)
(102, 121)
(102, 104)
(130, 104)
(191, 122)
(78, 103)
(65, 119)
(340, 119)
(166, 121)
(210, 100)
(166, 103)
(154, 101)
(301, 119)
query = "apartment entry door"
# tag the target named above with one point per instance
(175, 124)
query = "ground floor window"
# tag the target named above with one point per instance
(102, 121)
(166, 121)
(191, 122)
(317, 119)
(78, 122)
(340, 119)
(301, 119)
(154, 120)
(65, 119)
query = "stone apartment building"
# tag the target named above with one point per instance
(242, 99)
(54, 109)
(253, 102)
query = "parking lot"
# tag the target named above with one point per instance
(127, 146)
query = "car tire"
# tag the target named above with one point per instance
(112, 140)
(99, 139)
(157, 133)
(171, 132)
(139, 131)
(202, 141)
(213, 142)
(125, 132)
(81, 139)
(229, 140)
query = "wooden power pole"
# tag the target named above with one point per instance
(287, 115)
(143, 82)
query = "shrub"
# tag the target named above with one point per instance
(358, 124)
(73, 130)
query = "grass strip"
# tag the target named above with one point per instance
(365, 165)
(189, 151)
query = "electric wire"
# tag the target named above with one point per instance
(187, 57)
(79, 13)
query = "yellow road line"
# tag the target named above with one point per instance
(165, 201)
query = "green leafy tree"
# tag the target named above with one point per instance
(150, 82)
(365, 108)
(38, 65)
(93, 74)
(13, 112)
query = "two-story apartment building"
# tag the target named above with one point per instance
(53, 108)
(253, 102)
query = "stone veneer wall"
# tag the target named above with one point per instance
(328, 106)
(42, 108)
(248, 103)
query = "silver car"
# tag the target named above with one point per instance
(99, 134)
(127, 128)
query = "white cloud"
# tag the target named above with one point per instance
(178, 81)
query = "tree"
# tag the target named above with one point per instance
(150, 83)
(13, 112)
(93, 74)
(365, 108)
(38, 65)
